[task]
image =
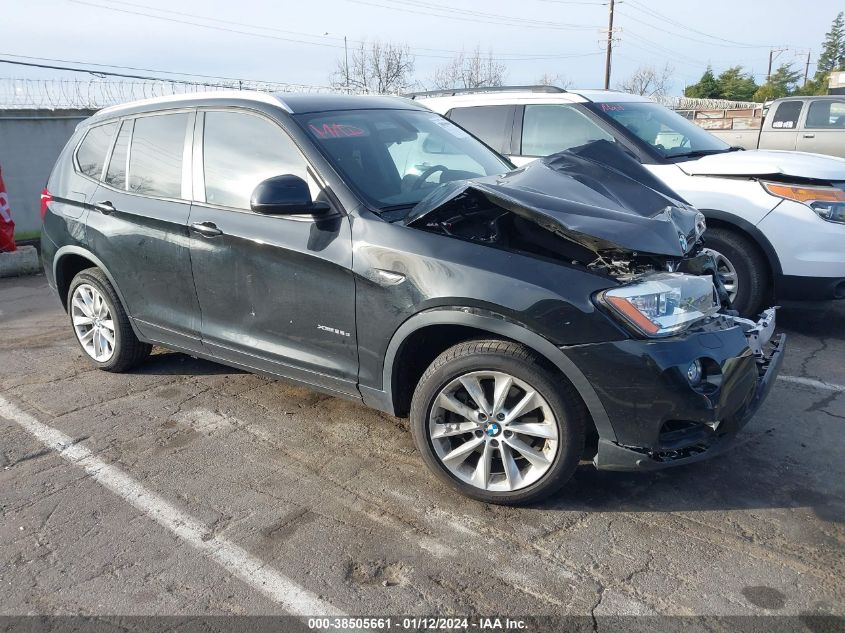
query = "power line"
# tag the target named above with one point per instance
(503, 57)
(587, 2)
(298, 33)
(149, 70)
(108, 73)
(663, 49)
(634, 4)
(686, 38)
(474, 16)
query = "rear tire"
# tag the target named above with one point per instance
(101, 325)
(508, 455)
(752, 271)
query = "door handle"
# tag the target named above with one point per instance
(809, 135)
(105, 207)
(208, 229)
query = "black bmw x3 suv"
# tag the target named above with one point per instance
(524, 319)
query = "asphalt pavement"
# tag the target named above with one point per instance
(186, 487)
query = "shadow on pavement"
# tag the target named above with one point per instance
(728, 482)
(822, 319)
(165, 363)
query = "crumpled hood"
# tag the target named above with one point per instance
(758, 162)
(595, 195)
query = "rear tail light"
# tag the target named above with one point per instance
(46, 198)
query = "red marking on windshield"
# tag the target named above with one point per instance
(612, 107)
(337, 130)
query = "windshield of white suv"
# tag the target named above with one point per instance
(394, 158)
(669, 133)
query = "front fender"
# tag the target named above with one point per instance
(496, 324)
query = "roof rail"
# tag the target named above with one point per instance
(449, 92)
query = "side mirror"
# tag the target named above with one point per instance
(285, 195)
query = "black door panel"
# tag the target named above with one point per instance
(144, 242)
(277, 294)
(142, 236)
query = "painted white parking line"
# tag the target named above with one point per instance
(810, 382)
(237, 561)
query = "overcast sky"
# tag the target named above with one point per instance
(300, 41)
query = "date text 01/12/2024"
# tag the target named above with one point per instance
(417, 623)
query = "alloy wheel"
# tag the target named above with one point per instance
(493, 431)
(728, 273)
(93, 322)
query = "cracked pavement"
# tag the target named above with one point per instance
(334, 496)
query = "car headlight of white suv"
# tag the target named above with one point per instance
(827, 202)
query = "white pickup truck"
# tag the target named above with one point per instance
(806, 124)
(776, 219)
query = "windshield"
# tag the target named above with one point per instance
(665, 131)
(394, 158)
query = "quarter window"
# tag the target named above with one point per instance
(552, 128)
(91, 155)
(786, 116)
(116, 173)
(489, 123)
(155, 159)
(241, 150)
(826, 114)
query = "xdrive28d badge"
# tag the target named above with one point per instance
(523, 319)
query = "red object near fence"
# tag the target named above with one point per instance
(7, 227)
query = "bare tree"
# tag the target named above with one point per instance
(553, 79)
(648, 81)
(375, 68)
(470, 70)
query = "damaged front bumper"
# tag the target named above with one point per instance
(660, 417)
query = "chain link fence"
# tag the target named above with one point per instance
(93, 94)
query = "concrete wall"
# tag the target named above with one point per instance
(30, 142)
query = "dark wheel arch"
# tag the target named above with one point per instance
(476, 323)
(68, 261)
(723, 219)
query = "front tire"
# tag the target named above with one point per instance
(491, 421)
(743, 267)
(101, 325)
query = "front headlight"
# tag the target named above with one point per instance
(827, 202)
(664, 303)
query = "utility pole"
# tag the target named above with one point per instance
(773, 55)
(609, 51)
(346, 62)
(807, 69)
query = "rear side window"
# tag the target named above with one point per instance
(492, 124)
(239, 151)
(116, 173)
(91, 155)
(155, 158)
(826, 114)
(552, 128)
(786, 115)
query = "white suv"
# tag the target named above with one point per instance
(776, 219)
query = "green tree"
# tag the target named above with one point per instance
(737, 85)
(706, 88)
(814, 86)
(782, 83)
(832, 56)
